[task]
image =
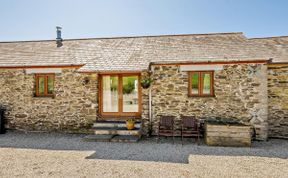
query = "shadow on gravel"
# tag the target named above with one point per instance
(145, 150)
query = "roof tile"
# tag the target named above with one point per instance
(136, 53)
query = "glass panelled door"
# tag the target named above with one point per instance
(110, 93)
(130, 93)
(120, 95)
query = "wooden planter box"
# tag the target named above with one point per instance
(227, 135)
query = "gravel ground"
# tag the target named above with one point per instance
(67, 155)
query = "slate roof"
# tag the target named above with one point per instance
(278, 46)
(136, 53)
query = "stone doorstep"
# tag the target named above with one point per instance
(112, 138)
(110, 124)
(116, 131)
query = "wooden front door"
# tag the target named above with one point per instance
(120, 95)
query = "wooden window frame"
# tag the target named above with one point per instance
(200, 84)
(45, 85)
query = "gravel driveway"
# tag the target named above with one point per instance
(58, 155)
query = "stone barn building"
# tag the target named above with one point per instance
(69, 85)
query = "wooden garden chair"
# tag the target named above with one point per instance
(190, 128)
(166, 127)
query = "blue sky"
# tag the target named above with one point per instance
(36, 19)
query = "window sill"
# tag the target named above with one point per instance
(48, 96)
(202, 96)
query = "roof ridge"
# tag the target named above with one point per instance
(140, 36)
(268, 37)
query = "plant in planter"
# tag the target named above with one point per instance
(227, 132)
(225, 121)
(130, 124)
(146, 82)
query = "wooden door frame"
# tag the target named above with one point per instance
(120, 113)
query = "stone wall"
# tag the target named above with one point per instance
(278, 101)
(240, 92)
(145, 108)
(73, 108)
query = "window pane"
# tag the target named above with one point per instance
(50, 80)
(206, 79)
(194, 83)
(110, 93)
(130, 93)
(41, 80)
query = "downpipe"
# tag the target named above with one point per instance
(150, 111)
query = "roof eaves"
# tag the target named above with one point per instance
(210, 62)
(111, 71)
(43, 66)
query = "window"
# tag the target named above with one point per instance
(201, 83)
(45, 84)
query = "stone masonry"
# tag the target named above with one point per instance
(278, 101)
(240, 92)
(250, 80)
(73, 108)
(145, 108)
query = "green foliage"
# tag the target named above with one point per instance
(194, 80)
(130, 120)
(113, 87)
(114, 84)
(225, 121)
(128, 88)
(146, 81)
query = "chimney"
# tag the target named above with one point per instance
(59, 39)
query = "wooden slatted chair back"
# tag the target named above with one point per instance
(189, 122)
(167, 121)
